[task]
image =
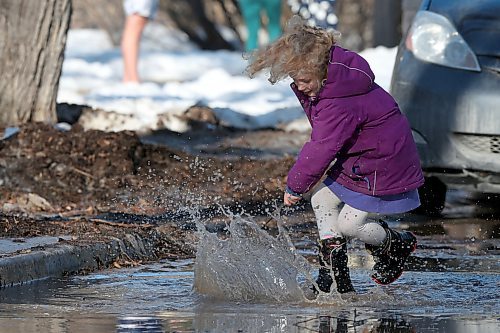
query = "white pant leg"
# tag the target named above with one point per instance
(336, 221)
(352, 223)
(326, 207)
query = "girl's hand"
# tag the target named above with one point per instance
(290, 199)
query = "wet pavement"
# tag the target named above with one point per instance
(452, 285)
(159, 298)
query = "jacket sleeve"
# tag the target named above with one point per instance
(331, 129)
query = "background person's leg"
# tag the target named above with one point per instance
(273, 12)
(138, 13)
(134, 25)
(250, 10)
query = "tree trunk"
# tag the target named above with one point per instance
(355, 23)
(32, 40)
(108, 15)
(190, 16)
(386, 23)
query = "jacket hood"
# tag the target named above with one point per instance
(348, 75)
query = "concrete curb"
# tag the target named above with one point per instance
(66, 259)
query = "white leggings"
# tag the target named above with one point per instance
(335, 220)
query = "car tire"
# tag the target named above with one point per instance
(432, 197)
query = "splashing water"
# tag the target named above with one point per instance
(251, 265)
(248, 264)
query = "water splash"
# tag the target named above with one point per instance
(251, 265)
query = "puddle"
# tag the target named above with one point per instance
(160, 298)
(169, 297)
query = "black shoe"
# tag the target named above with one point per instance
(333, 257)
(390, 257)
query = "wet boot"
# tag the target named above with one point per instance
(391, 255)
(333, 258)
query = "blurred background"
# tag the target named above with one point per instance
(218, 24)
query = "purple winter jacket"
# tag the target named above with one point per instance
(358, 123)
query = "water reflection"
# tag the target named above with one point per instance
(329, 324)
(139, 324)
(342, 322)
(36, 320)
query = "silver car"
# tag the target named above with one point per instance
(447, 81)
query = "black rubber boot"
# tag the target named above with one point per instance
(333, 257)
(390, 257)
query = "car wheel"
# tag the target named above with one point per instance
(432, 197)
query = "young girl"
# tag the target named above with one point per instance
(358, 127)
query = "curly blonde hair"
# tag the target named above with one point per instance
(301, 49)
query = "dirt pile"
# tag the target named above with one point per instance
(91, 172)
